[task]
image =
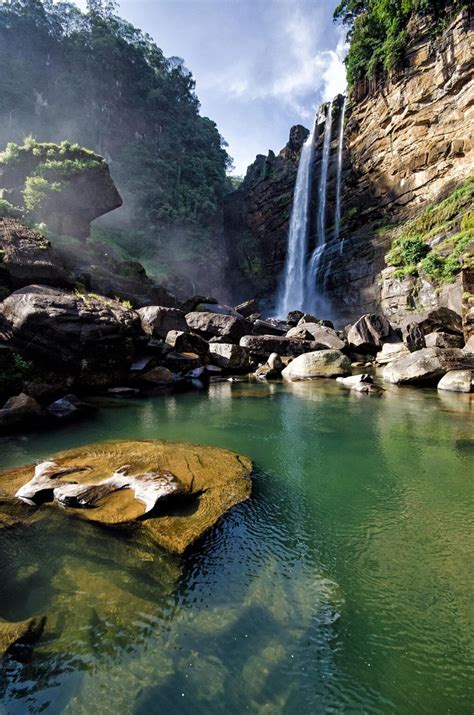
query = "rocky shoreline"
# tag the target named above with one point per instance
(79, 344)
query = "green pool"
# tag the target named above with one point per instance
(342, 586)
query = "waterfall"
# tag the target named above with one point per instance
(337, 216)
(312, 278)
(292, 295)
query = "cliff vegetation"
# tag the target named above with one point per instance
(379, 33)
(438, 242)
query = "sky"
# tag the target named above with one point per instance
(260, 65)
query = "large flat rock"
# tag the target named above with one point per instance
(210, 482)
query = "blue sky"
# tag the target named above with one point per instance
(260, 65)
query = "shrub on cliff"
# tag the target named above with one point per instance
(377, 30)
(439, 241)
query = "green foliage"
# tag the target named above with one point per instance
(37, 191)
(407, 251)
(7, 210)
(413, 247)
(378, 35)
(13, 372)
(95, 78)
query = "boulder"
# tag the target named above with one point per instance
(415, 328)
(185, 342)
(218, 308)
(158, 320)
(27, 257)
(209, 325)
(183, 363)
(230, 357)
(200, 483)
(426, 366)
(158, 376)
(293, 317)
(443, 340)
(391, 351)
(20, 411)
(269, 327)
(369, 333)
(469, 346)
(457, 381)
(325, 337)
(264, 345)
(308, 318)
(248, 309)
(322, 363)
(361, 383)
(190, 305)
(86, 338)
(272, 369)
(64, 408)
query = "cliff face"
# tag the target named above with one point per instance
(256, 220)
(407, 143)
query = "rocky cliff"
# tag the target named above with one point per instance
(408, 142)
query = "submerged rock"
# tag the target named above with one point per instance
(322, 363)
(202, 483)
(26, 631)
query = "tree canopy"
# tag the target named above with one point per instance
(92, 78)
(377, 30)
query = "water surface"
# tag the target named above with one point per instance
(342, 586)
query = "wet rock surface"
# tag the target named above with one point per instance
(121, 483)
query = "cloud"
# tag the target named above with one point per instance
(293, 71)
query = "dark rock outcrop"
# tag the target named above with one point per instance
(369, 333)
(265, 345)
(158, 320)
(210, 325)
(27, 257)
(83, 339)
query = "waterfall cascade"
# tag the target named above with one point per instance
(313, 277)
(303, 283)
(293, 288)
(340, 147)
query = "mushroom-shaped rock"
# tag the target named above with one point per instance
(322, 363)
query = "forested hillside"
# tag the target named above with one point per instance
(94, 79)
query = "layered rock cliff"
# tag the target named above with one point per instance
(408, 142)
